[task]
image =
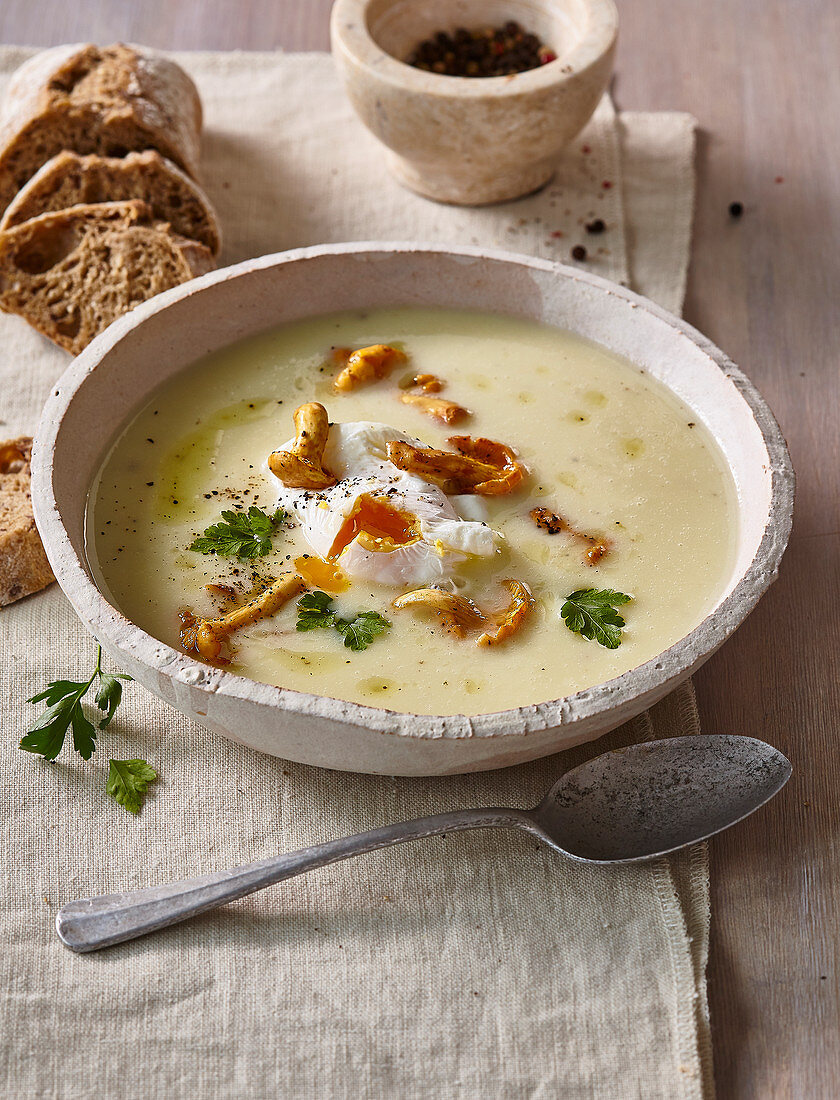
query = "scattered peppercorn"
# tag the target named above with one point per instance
(597, 226)
(736, 209)
(489, 51)
(578, 252)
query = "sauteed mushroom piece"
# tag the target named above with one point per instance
(457, 613)
(425, 383)
(205, 636)
(553, 524)
(447, 412)
(368, 365)
(480, 466)
(302, 467)
(514, 616)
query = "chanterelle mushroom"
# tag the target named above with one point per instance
(447, 412)
(424, 383)
(205, 636)
(457, 613)
(514, 616)
(302, 467)
(480, 466)
(368, 365)
(553, 523)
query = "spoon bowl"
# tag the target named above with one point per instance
(625, 806)
(650, 799)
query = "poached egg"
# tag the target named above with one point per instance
(379, 523)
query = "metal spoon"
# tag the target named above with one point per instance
(627, 805)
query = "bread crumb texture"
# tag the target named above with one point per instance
(23, 564)
(70, 179)
(73, 272)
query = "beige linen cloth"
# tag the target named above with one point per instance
(478, 965)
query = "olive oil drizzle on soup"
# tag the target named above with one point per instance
(606, 447)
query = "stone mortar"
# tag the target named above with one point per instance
(468, 140)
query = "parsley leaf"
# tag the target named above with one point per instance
(240, 534)
(590, 612)
(64, 712)
(128, 781)
(47, 734)
(317, 610)
(55, 690)
(109, 696)
(84, 733)
(360, 632)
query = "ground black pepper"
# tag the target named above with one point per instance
(597, 226)
(489, 51)
(578, 252)
(736, 209)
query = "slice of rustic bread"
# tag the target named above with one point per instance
(108, 100)
(71, 273)
(23, 564)
(69, 179)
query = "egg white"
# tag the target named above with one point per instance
(356, 453)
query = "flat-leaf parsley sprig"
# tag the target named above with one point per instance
(240, 534)
(64, 711)
(591, 613)
(316, 610)
(127, 779)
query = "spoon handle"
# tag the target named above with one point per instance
(96, 922)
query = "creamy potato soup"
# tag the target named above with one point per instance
(375, 553)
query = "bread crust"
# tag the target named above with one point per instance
(107, 100)
(70, 179)
(72, 272)
(24, 568)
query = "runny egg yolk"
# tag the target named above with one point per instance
(377, 526)
(321, 574)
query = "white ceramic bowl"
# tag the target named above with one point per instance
(471, 140)
(117, 373)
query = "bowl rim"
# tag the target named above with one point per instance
(349, 31)
(666, 668)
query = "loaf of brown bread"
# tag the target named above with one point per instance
(71, 273)
(69, 179)
(89, 99)
(23, 564)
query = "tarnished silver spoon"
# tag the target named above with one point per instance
(627, 805)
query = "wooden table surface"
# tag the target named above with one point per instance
(764, 82)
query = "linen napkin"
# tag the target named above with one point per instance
(476, 965)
